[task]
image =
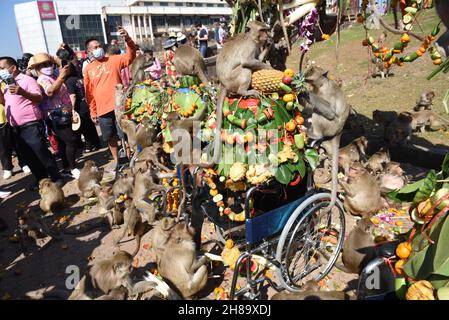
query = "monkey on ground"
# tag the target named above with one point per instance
(399, 130)
(106, 277)
(427, 118)
(378, 161)
(123, 185)
(330, 112)
(392, 178)
(311, 292)
(425, 101)
(133, 225)
(89, 180)
(359, 247)
(52, 196)
(179, 265)
(189, 61)
(31, 225)
(362, 192)
(236, 62)
(379, 68)
(116, 216)
(355, 151)
(158, 236)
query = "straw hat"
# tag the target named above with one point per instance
(76, 120)
(180, 36)
(172, 34)
(39, 58)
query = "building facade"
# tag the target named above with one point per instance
(43, 25)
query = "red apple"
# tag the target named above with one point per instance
(287, 79)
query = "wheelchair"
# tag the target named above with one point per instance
(290, 234)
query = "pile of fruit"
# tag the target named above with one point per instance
(422, 260)
(262, 139)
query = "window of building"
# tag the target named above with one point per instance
(209, 5)
(163, 4)
(220, 5)
(158, 21)
(187, 21)
(148, 3)
(179, 4)
(189, 4)
(198, 4)
(173, 21)
(90, 26)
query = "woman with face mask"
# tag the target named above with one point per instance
(57, 109)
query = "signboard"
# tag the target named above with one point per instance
(46, 10)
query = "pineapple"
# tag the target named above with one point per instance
(267, 80)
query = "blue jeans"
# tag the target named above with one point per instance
(203, 49)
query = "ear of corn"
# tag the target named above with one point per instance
(267, 80)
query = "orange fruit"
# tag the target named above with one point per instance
(229, 243)
(437, 61)
(403, 250)
(405, 38)
(325, 36)
(289, 73)
(290, 126)
(398, 267)
(419, 53)
(213, 192)
(422, 49)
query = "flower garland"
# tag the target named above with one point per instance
(307, 29)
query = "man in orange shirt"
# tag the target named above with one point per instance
(100, 78)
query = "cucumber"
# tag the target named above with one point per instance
(285, 87)
(435, 31)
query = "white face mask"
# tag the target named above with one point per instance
(48, 71)
(98, 53)
(4, 74)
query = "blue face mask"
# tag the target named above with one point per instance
(5, 75)
(98, 53)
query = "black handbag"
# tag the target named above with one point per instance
(61, 117)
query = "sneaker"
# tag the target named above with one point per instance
(75, 173)
(7, 174)
(26, 169)
(4, 194)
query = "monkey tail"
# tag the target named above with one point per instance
(86, 229)
(138, 241)
(335, 146)
(217, 139)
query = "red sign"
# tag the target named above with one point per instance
(46, 10)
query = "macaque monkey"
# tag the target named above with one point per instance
(311, 292)
(106, 277)
(159, 235)
(52, 196)
(123, 186)
(89, 180)
(133, 225)
(235, 64)
(424, 118)
(137, 68)
(106, 199)
(142, 134)
(399, 130)
(359, 247)
(116, 216)
(33, 226)
(355, 151)
(330, 112)
(179, 264)
(392, 178)
(362, 192)
(144, 185)
(425, 101)
(378, 161)
(150, 156)
(188, 61)
(379, 68)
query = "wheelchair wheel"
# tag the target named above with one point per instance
(310, 242)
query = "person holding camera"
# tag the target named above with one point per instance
(57, 109)
(21, 98)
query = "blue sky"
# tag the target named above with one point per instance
(9, 45)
